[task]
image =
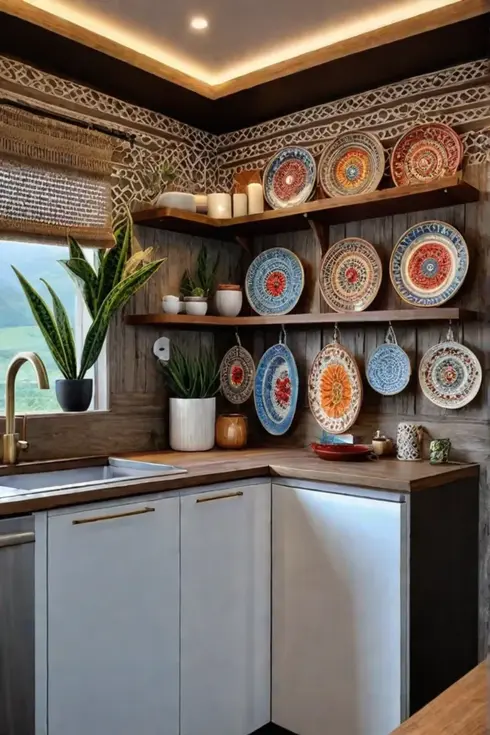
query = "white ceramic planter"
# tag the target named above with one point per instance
(177, 200)
(195, 305)
(229, 303)
(192, 424)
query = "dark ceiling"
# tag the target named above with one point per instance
(454, 44)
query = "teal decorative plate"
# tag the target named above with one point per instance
(276, 389)
(274, 282)
(289, 178)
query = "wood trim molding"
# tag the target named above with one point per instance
(459, 11)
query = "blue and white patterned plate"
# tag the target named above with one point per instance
(388, 370)
(429, 263)
(274, 282)
(289, 178)
(276, 389)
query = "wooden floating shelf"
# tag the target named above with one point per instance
(184, 321)
(398, 200)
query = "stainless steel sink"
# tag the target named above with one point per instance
(115, 471)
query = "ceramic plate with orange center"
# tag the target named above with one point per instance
(274, 282)
(353, 163)
(350, 275)
(335, 389)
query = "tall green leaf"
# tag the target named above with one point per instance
(85, 278)
(46, 323)
(118, 297)
(111, 270)
(65, 332)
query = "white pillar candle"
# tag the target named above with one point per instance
(219, 206)
(239, 205)
(201, 201)
(255, 199)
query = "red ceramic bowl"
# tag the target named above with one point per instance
(341, 452)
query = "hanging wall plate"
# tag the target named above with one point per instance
(429, 263)
(335, 389)
(276, 389)
(388, 369)
(237, 375)
(450, 374)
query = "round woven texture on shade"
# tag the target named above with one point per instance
(354, 163)
(335, 389)
(350, 275)
(237, 375)
(388, 370)
(289, 178)
(425, 153)
(450, 375)
(274, 282)
(429, 263)
(276, 389)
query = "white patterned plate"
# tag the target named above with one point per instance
(350, 275)
(450, 375)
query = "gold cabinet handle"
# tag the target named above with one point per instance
(96, 519)
(238, 494)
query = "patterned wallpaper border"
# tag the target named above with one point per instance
(459, 96)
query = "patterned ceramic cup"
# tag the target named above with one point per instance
(439, 451)
(409, 442)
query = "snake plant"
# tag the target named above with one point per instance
(105, 290)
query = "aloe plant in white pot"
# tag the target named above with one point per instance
(105, 290)
(193, 381)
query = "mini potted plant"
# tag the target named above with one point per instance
(196, 289)
(161, 181)
(105, 291)
(193, 382)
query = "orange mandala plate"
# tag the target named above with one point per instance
(335, 389)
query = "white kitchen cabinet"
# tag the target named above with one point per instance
(225, 611)
(338, 600)
(112, 647)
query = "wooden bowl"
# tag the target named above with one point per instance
(341, 452)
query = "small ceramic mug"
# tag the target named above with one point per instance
(439, 451)
(409, 442)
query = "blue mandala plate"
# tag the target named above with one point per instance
(274, 282)
(289, 178)
(276, 389)
(388, 370)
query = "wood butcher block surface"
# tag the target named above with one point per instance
(205, 468)
(460, 710)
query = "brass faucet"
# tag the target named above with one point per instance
(12, 445)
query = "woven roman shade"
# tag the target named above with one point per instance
(55, 179)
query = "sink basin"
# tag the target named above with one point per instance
(116, 470)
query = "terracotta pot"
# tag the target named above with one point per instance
(231, 431)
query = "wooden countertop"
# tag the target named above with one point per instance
(460, 710)
(220, 466)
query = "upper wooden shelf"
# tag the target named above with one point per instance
(398, 200)
(184, 321)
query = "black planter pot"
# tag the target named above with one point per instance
(74, 395)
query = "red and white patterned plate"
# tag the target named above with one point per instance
(350, 275)
(354, 163)
(425, 153)
(450, 375)
(237, 375)
(289, 178)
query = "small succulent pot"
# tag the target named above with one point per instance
(74, 395)
(196, 305)
(229, 299)
(231, 431)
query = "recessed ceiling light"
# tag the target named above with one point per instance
(198, 23)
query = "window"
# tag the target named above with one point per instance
(20, 333)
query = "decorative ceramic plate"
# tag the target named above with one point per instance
(237, 374)
(289, 178)
(335, 389)
(388, 370)
(350, 275)
(274, 281)
(429, 263)
(353, 163)
(450, 375)
(276, 389)
(341, 452)
(425, 153)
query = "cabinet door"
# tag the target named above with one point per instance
(113, 620)
(337, 617)
(225, 613)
